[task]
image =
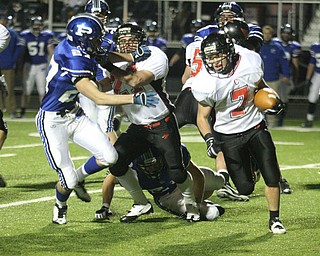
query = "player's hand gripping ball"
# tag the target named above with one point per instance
(265, 98)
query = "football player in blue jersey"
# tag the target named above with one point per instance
(153, 38)
(103, 115)
(39, 45)
(152, 174)
(9, 58)
(4, 41)
(292, 50)
(313, 82)
(60, 118)
(230, 10)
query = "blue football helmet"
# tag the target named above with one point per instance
(228, 7)
(85, 32)
(99, 8)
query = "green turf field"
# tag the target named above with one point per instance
(27, 201)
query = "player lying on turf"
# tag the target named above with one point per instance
(153, 176)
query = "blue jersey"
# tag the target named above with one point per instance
(275, 61)
(37, 46)
(315, 56)
(255, 31)
(9, 56)
(67, 64)
(292, 48)
(159, 42)
(187, 39)
(204, 31)
(158, 187)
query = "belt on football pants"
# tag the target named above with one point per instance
(156, 124)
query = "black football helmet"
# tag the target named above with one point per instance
(137, 36)
(237, 30)
(219, 46)
(151, 163)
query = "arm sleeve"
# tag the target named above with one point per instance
(4, 37)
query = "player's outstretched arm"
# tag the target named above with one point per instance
(89, 89)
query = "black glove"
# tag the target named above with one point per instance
(141, 54)
(213, 148)
(3, 86)
(276, 109)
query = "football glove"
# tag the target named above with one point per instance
(148, 99)
(141, 54)
(276, 109)
(213, 147)
(3, 86)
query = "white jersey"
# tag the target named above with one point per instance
(232, 96)
(4, 37)
(157, 63)
(194, 61)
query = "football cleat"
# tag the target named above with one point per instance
(59, 214)
(193, 214)
(229, 192)
(285, 186)
(276, 226)
(210, 211)
(81, 192)
(136, 211)
(103, 213)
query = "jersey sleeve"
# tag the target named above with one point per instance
(79, 65)
(157, 63)
(4, 37)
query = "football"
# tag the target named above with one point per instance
(265, 98)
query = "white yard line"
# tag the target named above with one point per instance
(48, 198)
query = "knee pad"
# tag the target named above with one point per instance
(245, 188)
(178, 175)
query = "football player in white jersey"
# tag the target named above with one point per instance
(60, 118)
(187, 106)
(156, 127)
(228, 83)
